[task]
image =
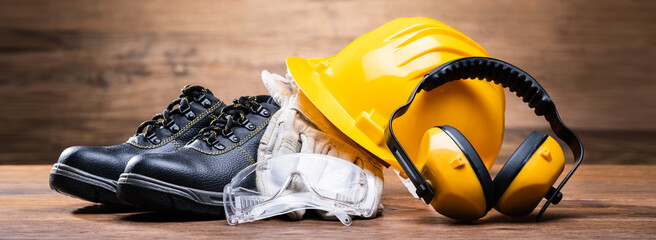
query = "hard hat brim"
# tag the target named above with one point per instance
(311, 84)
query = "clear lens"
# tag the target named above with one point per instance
(299, 181)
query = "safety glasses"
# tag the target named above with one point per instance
(292, 182)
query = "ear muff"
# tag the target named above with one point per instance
(527, 176)
(516, 162)
(543, 167)
(463, 188)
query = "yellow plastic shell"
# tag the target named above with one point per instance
(360, 87)
(458, 192)
(533, 181)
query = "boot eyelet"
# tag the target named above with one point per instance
(206, 103)
(213, 141)
(250, 126)
(203, 101)
(247, 124)
(261, 110)
(172, 126)
(265, 113)
(187, 112)
(242, 122)
(153, 138)
(233, 138)
(190, 115)
(224, 133)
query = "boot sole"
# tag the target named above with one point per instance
(76, 183)
(153, 194)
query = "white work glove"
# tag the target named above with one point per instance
(299, 127)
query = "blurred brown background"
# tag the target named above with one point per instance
(88, 72)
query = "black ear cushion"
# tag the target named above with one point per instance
(475, 161)
(516, 162)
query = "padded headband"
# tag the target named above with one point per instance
(499, 72)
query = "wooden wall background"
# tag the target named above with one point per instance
(88, 72)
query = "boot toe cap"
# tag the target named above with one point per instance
(94, 160)
(181, 169)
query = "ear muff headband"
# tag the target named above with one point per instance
(499, 72)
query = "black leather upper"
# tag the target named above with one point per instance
(204, 166)
(110, 161)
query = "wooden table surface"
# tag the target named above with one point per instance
(602, 201)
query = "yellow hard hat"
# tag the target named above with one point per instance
(360, 87)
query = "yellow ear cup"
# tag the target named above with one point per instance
(533, 181)
(460, 180)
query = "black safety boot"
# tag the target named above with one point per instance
(91, 173)
(192, 179)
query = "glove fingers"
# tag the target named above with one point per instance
(330, 150)
(289, 143)
(287, 140)
(313, 141)
(269, 138)
(279, 87)
(293, 86)
(372, 167)
(307, 143)
(328, 145)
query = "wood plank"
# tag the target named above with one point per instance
(602, 201)
(87, 73)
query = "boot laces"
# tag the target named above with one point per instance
(232, 115)
(164, 119)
